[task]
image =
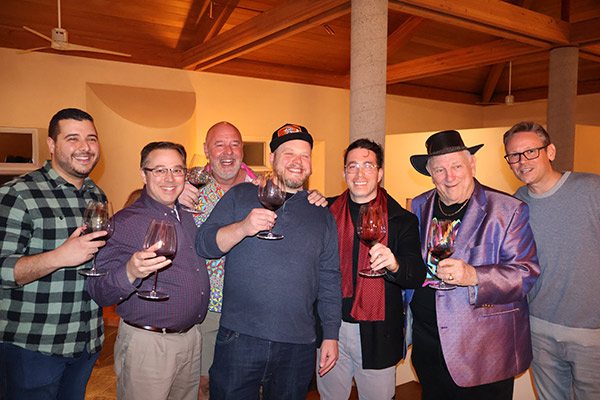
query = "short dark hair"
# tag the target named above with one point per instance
(67, 113)
(366, 144)
(528, 126)
(161, 146)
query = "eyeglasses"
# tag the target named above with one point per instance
(369, 168)
(161, 172)
(530, 154)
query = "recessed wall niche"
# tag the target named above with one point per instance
(18, 150)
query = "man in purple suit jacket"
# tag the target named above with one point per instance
(470, 342)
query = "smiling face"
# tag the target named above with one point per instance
(164, 189)
(292, 160)
(224, 150)
(362, 183)
(452, 175)
(531, 172)
(76, 150)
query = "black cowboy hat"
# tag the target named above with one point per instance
(440, 143)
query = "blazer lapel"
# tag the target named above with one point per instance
(472, 220)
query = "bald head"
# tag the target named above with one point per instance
(224, 149)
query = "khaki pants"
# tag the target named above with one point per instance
(151, 365)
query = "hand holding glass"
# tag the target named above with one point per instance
(197, 176)
(371, 228)
(97, 217)
(441, 246)
(164, 234)
(271, 194)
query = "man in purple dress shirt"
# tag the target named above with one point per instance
(158, 348)
(470, 342)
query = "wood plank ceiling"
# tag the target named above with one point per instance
(450, 50)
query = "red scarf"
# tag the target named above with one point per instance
(369, 299)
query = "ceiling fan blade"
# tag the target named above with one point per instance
(34, 49)
(37, 33)
(488, 103)
(77, 47)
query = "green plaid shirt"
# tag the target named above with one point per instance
(53, 315)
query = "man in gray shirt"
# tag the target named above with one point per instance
(564, 216)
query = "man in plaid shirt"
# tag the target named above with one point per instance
(51, 331)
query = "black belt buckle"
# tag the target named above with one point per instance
(158, 330)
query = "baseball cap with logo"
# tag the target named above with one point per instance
(290, 132)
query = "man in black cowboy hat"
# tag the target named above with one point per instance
(469, 342)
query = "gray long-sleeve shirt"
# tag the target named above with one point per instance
(271, 285)
(566, 226)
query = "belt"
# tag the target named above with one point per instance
(158, 330)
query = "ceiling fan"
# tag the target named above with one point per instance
(59, 41)
(509, 99)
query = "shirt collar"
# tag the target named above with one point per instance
(58, 181)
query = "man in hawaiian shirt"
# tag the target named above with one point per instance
(224, 149)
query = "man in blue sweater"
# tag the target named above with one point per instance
(267, 333)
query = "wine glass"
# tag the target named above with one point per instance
(197, 176)
(163, 233)
(97, 217)
(440, 246)
(271, 194)
(371, 227)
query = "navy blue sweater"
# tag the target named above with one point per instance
(271, 285)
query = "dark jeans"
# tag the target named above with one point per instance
(435, 379)
(244, 363)
(26, 374)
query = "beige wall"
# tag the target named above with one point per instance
(587, 149)
(34, 86)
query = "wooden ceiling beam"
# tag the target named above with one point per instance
(492, 16)
(593, 55)
(290, 31)
(403, 34)
(284, 73)
(541, 93)
(491, 82)
(271, 22)
(458, 60)
(586, 32)
(212, 20)
(430, 93)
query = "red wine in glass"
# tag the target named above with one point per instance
(198, 177)
(371, 228)
(165, 253)
(441, 246)
(271, 194)
(441, 252)
(163, 233)
(97, 217)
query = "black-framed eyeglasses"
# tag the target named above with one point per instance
(530, 154)
(161, 172)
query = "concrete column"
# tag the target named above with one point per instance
(562, 97)
(368, 62)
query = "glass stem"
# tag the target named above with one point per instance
(155, 281)
(93, 270)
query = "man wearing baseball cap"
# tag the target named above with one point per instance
(471, 341)
(267, 333)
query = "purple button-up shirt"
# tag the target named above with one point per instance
(185, 280)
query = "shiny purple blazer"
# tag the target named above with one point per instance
(484, 331)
